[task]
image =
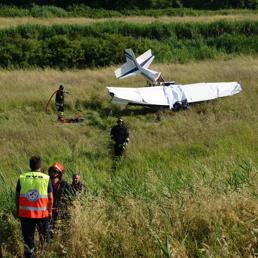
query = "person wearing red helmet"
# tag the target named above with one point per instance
(61, 190)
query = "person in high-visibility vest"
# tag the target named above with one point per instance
(34, 201)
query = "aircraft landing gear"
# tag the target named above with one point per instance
(180, 105)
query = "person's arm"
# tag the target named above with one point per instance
(112, 133)
(50, 203)
(17, 196)
(50, 198)
(126, 135)
(57, 96)
(17, 203)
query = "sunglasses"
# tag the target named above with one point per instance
(53, 173)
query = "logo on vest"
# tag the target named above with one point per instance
(32, 195)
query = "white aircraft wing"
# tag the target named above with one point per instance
(206, 91)
(169, 95)
(140, 96)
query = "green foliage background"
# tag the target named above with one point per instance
(143, 4)
(98, 45)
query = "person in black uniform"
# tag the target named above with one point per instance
(120, 135)
(59, 100)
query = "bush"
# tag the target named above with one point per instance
(144, 4)
(97, 45)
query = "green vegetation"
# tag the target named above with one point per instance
(187, 187)
(188, 184)
(133, 4)
(97, 45)
(85, 11)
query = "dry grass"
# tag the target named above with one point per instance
(211, 226)
(15, 21)
(26, 86)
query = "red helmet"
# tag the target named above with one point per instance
(57, 168)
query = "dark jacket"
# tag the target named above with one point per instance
(60, 97)
(77, 188)
(62, 198)
(119, 134)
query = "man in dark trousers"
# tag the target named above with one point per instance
(59, 100)
(34, 201)
(120, 135)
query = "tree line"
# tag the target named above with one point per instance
(135, 4)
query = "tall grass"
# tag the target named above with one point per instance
(16, 21)
(187, 186)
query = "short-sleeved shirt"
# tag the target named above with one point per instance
(49, 188)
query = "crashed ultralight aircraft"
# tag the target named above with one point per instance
(162, 93)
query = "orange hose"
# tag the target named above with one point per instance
(46, 107)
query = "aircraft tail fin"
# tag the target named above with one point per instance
(139, 65)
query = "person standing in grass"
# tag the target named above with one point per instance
(120, 135)
(34, 201)
(59, 100)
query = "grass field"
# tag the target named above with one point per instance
(15, 21)
(186, 188)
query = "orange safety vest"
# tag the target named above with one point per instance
(33, 200)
